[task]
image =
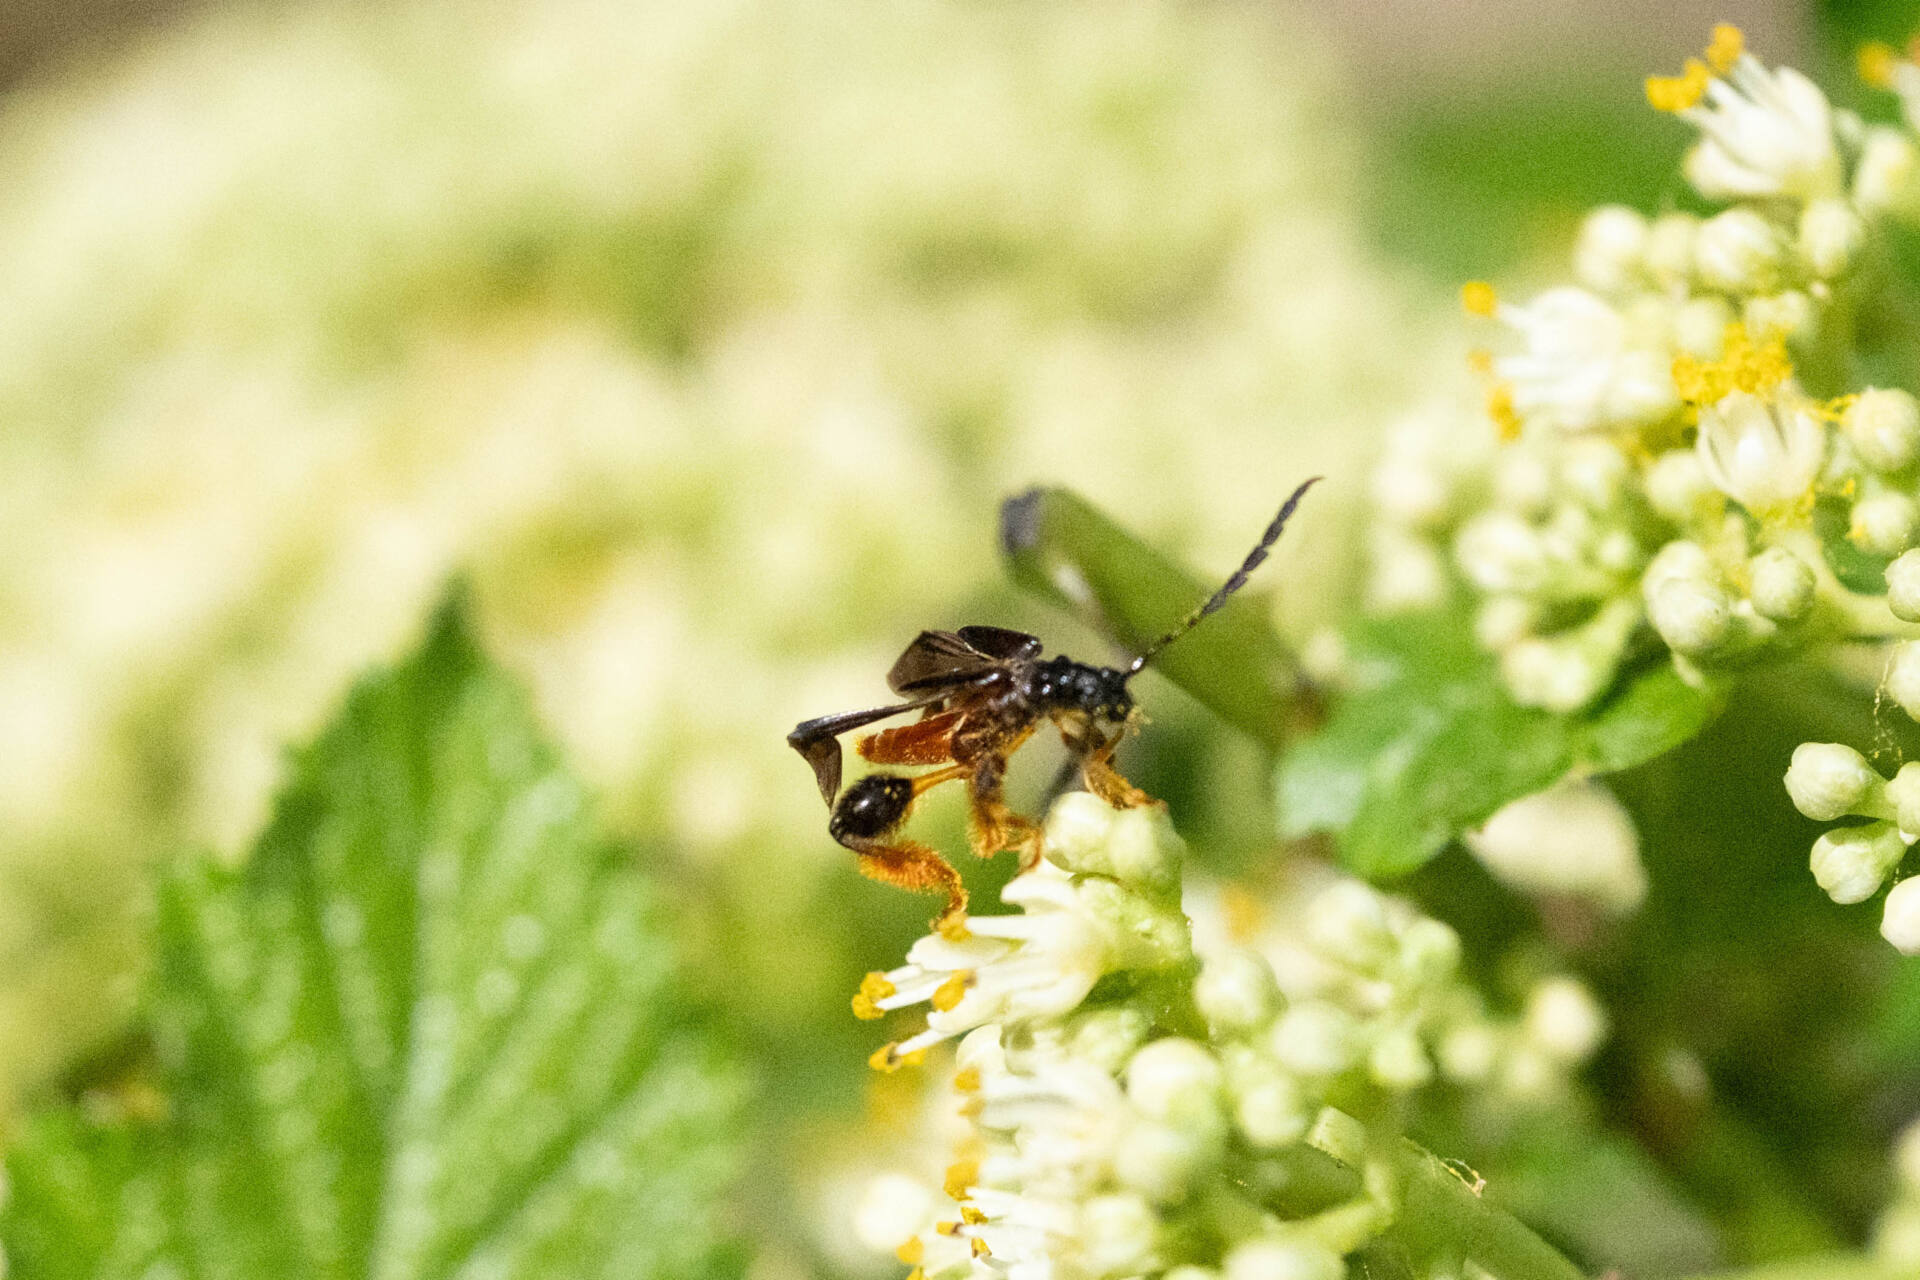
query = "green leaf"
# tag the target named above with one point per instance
(430, 1029)
(1859, 571)
(1065, 550)
(1431, 744)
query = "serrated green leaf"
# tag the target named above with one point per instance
(1431, 744)
(431, 1029)
(1065, 550)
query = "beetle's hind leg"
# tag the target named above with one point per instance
(865, 819)
(995, 826)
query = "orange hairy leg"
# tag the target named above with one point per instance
(994, 826)
(913, 866)
(1096, 767)
(928, 741)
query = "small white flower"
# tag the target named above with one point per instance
(1900, 922)
(1850, 863)
(1740, 252)
(1829, 780)
(1574, 838)
(1902, 680)
(1564, 1021)
(1763, 453)
(1884, 523)
(1581, 371)
(1903, 587)
(1763, 133)
(1236, 991)
(1886, 179)
(1611, 248)
(1883, 426)
(1782, 586)
(1831, 234)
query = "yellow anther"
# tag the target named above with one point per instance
(948, 1229)
(1725, 48)
(1506, 419)
(883, 1059)
(1677, 93)
(961, 1175)
(1246, 914)
(911, 1252)
(980, 1249)
(1478, 297)
(949, 993)
(1876, 62)
(967, 1080)
(971, 1216)
(916, 1274)
(955, 930)
(1480, 362)
(1744, 365)
(873, 988)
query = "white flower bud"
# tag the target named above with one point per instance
(1429, 951)
(1903, 586)
(1789, 314)
(1522, 481)
(1829, 780)
(1595, 472)
(1134, 846)
(1504, 620)
(1158, 1160)
(1315, 1038)
(1739, 252)
(1173, 1078)
(1236, 991)
(1678, 487)
(1700, 326)
(891, 1209)
(1692, 616)
(1885, 523)
(1560, 675)
(1679, 560)
(1763, 454)
(1398, 1061)
(1574, 838)
(1902, 681)
(1669, 253)
(1906, 1150)
(1608, 253)
(1883, 426)
(1270, 1109)
(1468, 1053)
(1884, 180)
(1903, 793)
(1283, 1260)
(1564, 1021)
(1347, 923)
(1781, 585)
(1117, 1234)
(1831, 234)
(1851, 862)
(1108, 1037)
(1900, 921)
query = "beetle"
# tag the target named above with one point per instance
(981, 692)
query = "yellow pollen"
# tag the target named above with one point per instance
(967, 1080)
(883, 1059)
(955, 930)
(948, 1229)
(1478, 297)
(1876, 62)
(1727, 46)
(916, 1274)
(911, 1252)
(961, 1175)
(873, 988)
(1744, 365)
(1506, 419)
(1677, 93)
(971, 1216)
(980, 1249)
(949, 993)
(1480, 362)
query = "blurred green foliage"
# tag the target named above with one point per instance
(434, 1027)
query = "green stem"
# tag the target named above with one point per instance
(1442, 1214)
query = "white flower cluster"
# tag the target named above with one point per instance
(1829, 781)
(1672, 420)
(1134, 1109)
(702, 349)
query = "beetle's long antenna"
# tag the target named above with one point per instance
(1239, 579)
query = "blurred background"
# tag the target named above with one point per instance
(705, 340)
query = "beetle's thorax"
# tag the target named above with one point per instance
(1061, 684)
